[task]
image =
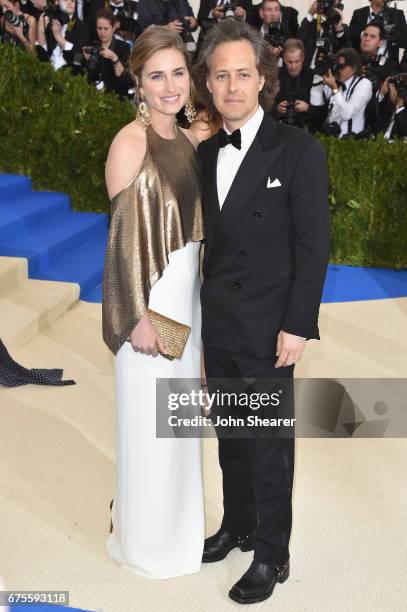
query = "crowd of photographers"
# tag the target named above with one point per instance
(343, 80)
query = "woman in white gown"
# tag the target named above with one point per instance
(152, 261)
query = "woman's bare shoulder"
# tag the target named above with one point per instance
(125, 156)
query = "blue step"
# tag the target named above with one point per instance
(14, 184)
(52, 239)
(83, 265)
(20, 213)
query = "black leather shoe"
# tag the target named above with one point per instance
(222, 542)
(258, 583)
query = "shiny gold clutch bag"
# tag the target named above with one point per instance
(174, 335)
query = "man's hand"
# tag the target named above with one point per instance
(282, 107)
(218, 12)
(108, 54)
(276, 50)
(176, 25)
(192, 22)
(289, 349)
(384, 89)
(240, 13)
(330, 80)
(301, 106)
(145, 339)
(56, 27)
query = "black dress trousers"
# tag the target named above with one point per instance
(257, 471)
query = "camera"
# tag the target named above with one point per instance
(13, 19)
(54, 12)
(187, 36)
(93, 51)
(127, 16)
(329, 8)
(400, 83)
(229, 7)
(372, 69)
(276, 34)
(325, 60)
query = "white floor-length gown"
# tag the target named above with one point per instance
(158, 509)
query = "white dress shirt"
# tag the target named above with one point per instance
(346, 105)
(230, 158)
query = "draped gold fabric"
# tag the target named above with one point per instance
(158, 212)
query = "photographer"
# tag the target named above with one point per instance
(376, 67)
(393, 21)
(275, 26)
(126, 15)
(346, 93)
(272, 11)
(19, 28)
(211, 11)
(107, 58)
(176, 14)
(397, 127)
(61, 35)
(291, 104)
(322, 30)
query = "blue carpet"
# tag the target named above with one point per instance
(64, 245)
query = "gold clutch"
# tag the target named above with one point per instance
(174, 335)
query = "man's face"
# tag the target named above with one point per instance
(39, 4)
(371, 40)
(294, 61)
(377, 3)
(270, 12)
(234, 82)
(344, 71)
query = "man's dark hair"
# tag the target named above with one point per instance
(379, 25)
(352, 58)
(231, 30)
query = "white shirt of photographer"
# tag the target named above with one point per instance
(345, 108)
(57, 58)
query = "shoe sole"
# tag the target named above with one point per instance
(243, 547)
(253, 600)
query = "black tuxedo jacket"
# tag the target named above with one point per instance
(267, 249)
(207, 5)
(359, 22)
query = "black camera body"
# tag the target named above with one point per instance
(276, 34)
(229, 7)
(400, 83)
(54, 12)
(127, 16)
(94, 52)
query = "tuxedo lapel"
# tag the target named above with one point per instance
(211, 200)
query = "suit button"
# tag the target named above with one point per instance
(243, 253)
(238, 285)
(257, 214)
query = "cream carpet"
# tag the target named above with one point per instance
(349, 539)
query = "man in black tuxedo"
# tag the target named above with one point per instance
(267, 247)
(394, 23)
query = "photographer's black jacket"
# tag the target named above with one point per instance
(294, 88)
(308, 34)
(395, 16)
(267, 249)
(104, 69)
(151, 12)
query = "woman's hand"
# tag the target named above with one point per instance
(145, 339)
(108, 54)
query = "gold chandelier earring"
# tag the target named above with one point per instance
(190, 111)
(142, 109)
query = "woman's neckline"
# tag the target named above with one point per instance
(162, 137)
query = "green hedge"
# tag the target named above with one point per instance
(57, 129)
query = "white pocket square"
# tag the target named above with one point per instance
(275, 183)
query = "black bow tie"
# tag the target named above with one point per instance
(235, 138)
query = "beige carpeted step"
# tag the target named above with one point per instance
(28, 306)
